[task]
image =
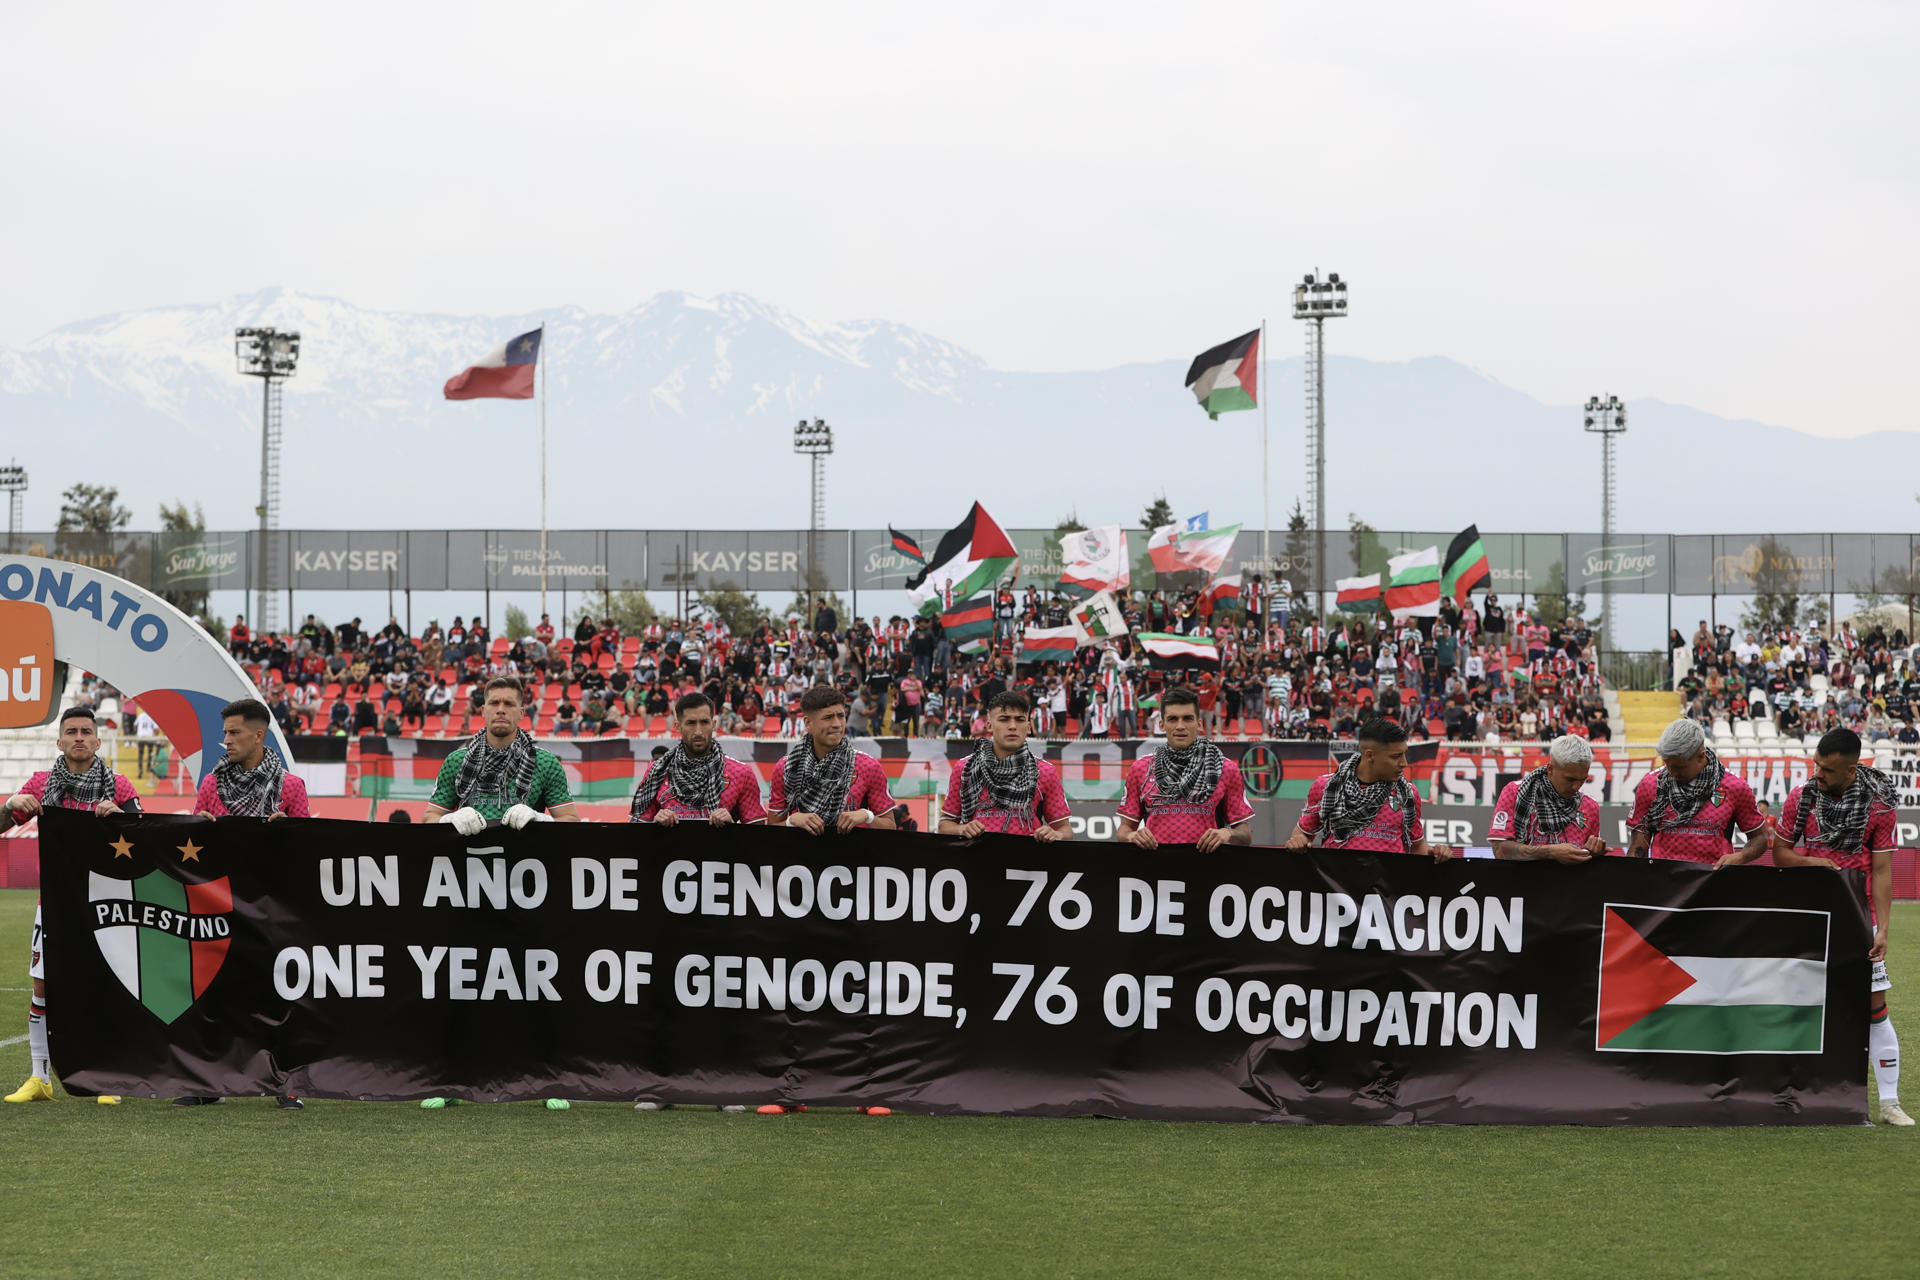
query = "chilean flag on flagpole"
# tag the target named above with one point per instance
(504, 373)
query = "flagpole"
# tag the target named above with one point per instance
(1266, 507)
(543, 470)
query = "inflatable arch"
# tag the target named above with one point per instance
(56, 611)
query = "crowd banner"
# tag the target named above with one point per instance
(702, 965)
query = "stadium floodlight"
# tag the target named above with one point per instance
(271, 355)
(1606, 418)
(815, 439)
(1316, 301)
(13, 482)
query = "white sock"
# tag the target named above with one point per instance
(37, 1039)
(1884, 1049)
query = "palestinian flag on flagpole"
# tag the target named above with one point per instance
(1049, 644)
(1225, 593)
(1358, 595)
(1174, 549)
(971, 558)
(1226, 377)
(906, 546)
(971, 619)
(1413, 584)
(1177, 653)
(1466, 565)
(1719, 980)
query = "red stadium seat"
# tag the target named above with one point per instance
(573, 692)
(1232, 729)
(1253, 728)
(545, 726)
(636, 725)
(657, 726)
(499, 647)
(630, 645)
(332, 691)
(563, 646)
(769, 726)
(606, 664)
(432, 726)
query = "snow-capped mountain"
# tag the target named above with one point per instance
(679, 413)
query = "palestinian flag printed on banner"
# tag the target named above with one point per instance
(1718, 980)
(1178, 653)
(1358, 595)
(967, 620)
(906, 546)
(1226, 377)
(1049, 644)
(971, 558)
(1466, 565)
(1413, 584)
(163, 939)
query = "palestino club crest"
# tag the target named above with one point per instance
(163, 939)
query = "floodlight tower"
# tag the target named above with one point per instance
(13, 482)
(269, 355)
(815, 439)
(1317, 301)
(1606, 418)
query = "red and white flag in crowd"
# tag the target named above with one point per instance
(504, 373)
(1225, 592)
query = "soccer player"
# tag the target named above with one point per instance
(1844, 816)
(1544, 815)
(823, 783)
(1002, 787)
(1187, 792)
(500, 776)
(251, 781)
(1367, 805)
(697, 781)
(1687, 810)
(79, 779)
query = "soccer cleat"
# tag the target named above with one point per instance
(874, 1111)
(34, 1090)
(108, 1099)
(653, 1106)
(1889, 1114)
(775, 1109)
(731, 1108)
(287, 1102)
(559, 1104)
(193, 1100)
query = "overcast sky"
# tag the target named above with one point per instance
(1706, 203)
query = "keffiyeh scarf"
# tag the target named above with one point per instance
(1539, 809)
(84, 790)
(488, 770)
(1011, 783)
(1686, 799)
(696, 781)
(816, 784)
(1348, 804)
(1843, 818)
(1187, 775)
(250, 793)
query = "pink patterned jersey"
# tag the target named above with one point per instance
(739, 795)
(1180, 821)
(123, 795)
(1582, 829)
(1049, 802)
(1882, 832)
(1709, 836)
(869, 789)
(293, 798)
(1385, 834)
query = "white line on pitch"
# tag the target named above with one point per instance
(6, 1044)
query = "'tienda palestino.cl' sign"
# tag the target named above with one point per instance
(57, 611)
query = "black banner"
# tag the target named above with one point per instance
(702, 965)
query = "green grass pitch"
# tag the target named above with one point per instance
(387, 1189)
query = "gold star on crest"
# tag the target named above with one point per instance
(122, 848)
(190, 852)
